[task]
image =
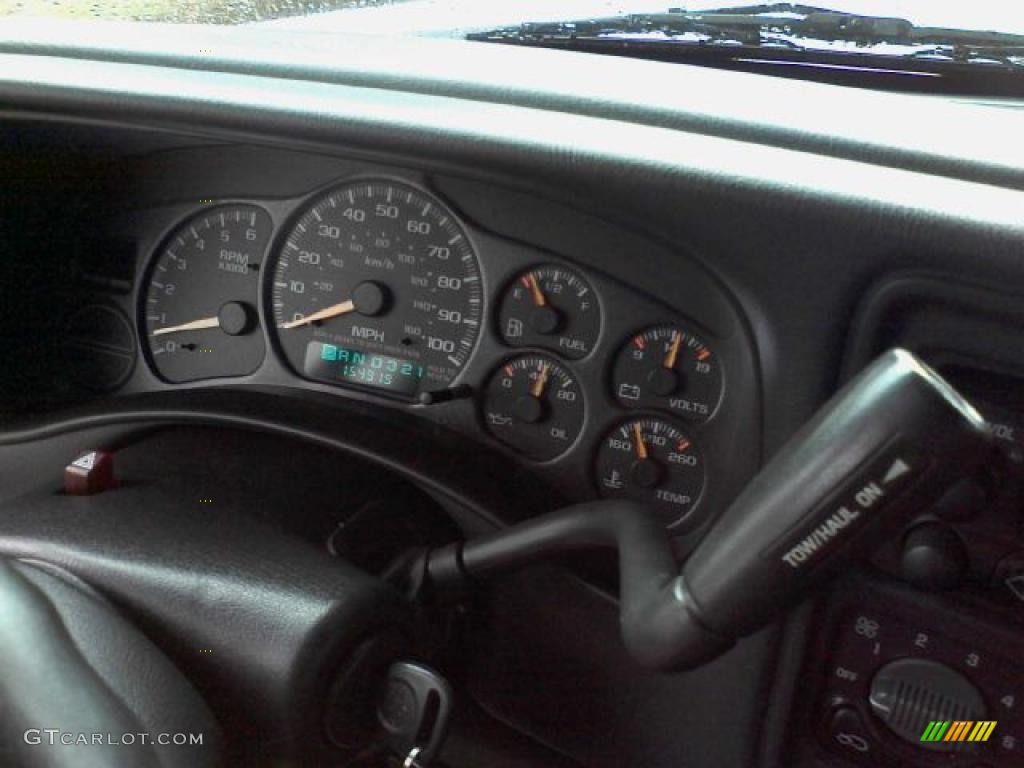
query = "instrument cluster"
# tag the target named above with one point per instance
(375, 286)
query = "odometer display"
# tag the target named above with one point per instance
(328, 362)
(382, 269)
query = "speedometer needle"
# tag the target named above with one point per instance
(195, 325)
(324, 314)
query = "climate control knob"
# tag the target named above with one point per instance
(909, 695)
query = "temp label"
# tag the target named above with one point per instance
(885, 478)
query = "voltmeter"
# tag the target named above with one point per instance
(671, 369)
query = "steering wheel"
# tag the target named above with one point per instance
(82, 687)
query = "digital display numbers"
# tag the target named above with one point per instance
(329, 362)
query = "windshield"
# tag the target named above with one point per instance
(403, 16)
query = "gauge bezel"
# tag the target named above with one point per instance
(287, 226)
(527, 352)
(685, 520)
(688, 329)
(553, 263)
(151, 262)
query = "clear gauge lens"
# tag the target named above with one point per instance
(377, 286)
(655, 462)
(199, 305)
(553, 308)
(534, 404)
(668, 368)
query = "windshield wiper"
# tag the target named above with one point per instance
(823, 43)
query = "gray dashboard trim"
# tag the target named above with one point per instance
(950, 137)
(410, 125)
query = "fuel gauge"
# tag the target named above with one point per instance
(671, 369)
(553, 308)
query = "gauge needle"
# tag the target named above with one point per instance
(195, 325)
(639, 444)
(538, 295)
(324, 314)
(673, 350)
(537, 388)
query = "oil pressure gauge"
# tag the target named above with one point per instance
(534, 404)
(553, 308)
(670, 369)
(651, 460)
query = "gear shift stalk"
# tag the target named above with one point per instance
(882, 449)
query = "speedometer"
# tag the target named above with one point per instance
(377, 286)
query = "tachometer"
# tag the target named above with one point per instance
(378, 286)
(199, 306)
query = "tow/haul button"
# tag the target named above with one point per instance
(833, 523)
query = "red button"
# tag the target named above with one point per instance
(92, 472)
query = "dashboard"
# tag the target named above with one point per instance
(370, 284)
(633, 279)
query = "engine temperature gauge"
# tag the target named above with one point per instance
(653, 461)
(670, 369)
(553, 308)
(534, 404)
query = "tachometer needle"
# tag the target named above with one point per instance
(195, 325)
(638, 442)
(324, 314)
(673, 351)
(537, 388)
(538, 295)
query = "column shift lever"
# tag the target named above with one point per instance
(884, 447)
